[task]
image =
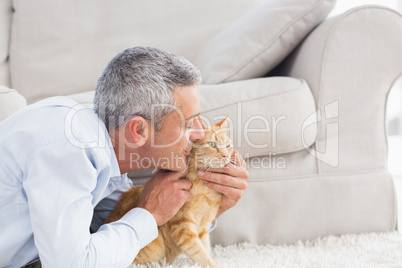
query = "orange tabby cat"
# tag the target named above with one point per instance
(188, 230)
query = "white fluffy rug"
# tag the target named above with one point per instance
(364, 250)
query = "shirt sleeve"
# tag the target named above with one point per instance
(105, 207)
(58, 183)
(213, 225)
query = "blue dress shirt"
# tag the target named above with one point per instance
(59, 179)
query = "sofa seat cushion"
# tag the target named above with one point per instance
(10, 102)
(261, 39)
(268, 116)
(274, 115)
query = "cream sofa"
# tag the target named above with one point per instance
(307, 97)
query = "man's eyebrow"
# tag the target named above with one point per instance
(191, 117)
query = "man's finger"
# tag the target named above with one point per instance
(188, 195)
(233, 192)
(185, 184)
(224, 180)
(232, 170)
(237, 160)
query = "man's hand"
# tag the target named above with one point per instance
(230, 180)
(165, 194)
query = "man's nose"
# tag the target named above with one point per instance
(197, 132)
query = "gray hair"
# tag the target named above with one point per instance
(136, 80)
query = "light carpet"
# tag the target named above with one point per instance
(363, 250)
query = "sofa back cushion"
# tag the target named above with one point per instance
(10, 102)
(261, 39)
(61, 47)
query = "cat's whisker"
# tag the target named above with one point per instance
(207, 168)
(233, 162)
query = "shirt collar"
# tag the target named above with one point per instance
(114, 165)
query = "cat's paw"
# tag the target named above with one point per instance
(212, 264)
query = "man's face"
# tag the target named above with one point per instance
(173, 142)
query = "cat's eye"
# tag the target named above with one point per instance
(228, 145)
(212, 144)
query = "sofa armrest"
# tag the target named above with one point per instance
(350, 63)
(10, 102)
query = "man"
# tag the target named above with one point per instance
(64, 167)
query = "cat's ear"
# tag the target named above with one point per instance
(202, 122)
(220, 123)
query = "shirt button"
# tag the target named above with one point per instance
(115, 179)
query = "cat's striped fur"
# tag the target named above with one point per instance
(188, 230)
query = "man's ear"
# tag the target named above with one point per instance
(138, 128)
